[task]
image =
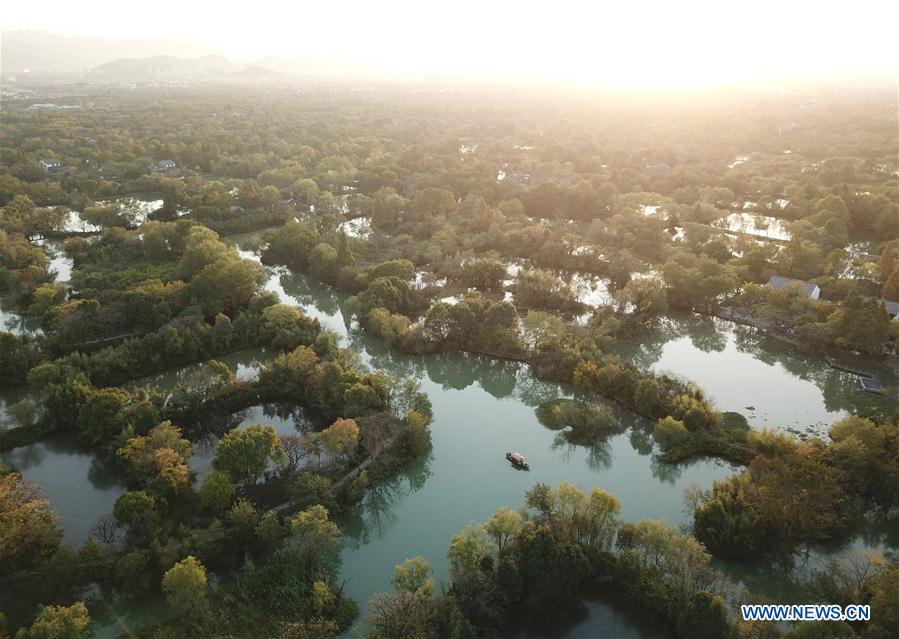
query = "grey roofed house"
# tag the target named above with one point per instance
(50, 164)
(870, 384)
(799, 286)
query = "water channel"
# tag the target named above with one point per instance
(483, 408)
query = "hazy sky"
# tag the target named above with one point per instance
(637, 42)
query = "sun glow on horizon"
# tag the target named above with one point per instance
(641, 44)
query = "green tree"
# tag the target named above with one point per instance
(102, 417)
(184, 584)
(341, 438)
(243, 517)
(201, 249)
(541, 499)
(862, 325)
(400, 615)
(643, 298)
(310, 489)
(391, 293)
(670, 432)
(316, 539)
(291, 245)
(217, 491)
(707, 616)
(18, 355)
(270, 530)
(891, 287)
(413, 575)
(542, 289)
(137, 510)
(886, 265)
(246, 453)
(131, 572)
(345, 255)
(483, 273)
(882, 592)
(696, 281)
(468, 548)
(59, 622)
(551, 570)
(226, 286)
(503, 526)
(402, 269)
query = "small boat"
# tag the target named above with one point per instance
(518, 460)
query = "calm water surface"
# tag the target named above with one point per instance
(60, 267)
(79, 486)
(483, 408)
(745, 371)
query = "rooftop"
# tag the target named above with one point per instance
(783, 283)
(870, 384)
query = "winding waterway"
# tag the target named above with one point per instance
(483, 408)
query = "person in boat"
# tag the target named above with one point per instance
(517, 459)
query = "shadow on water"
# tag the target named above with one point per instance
(374, 516)
(601, 612)
(305, 294)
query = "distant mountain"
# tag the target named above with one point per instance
(35, 57)
(42, 52)
(163, 68)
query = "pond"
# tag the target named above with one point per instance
(79, 485)
(587, 288)
(744, 370)
(357, 227)
(8, 397)
(60, 265)
(140, 205)
(74, 224)
(245, 365)
(12, 321)
(761, 226)
(60, 268)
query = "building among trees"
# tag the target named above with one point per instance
(800, 287)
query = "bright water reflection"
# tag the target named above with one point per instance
(745, 371)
